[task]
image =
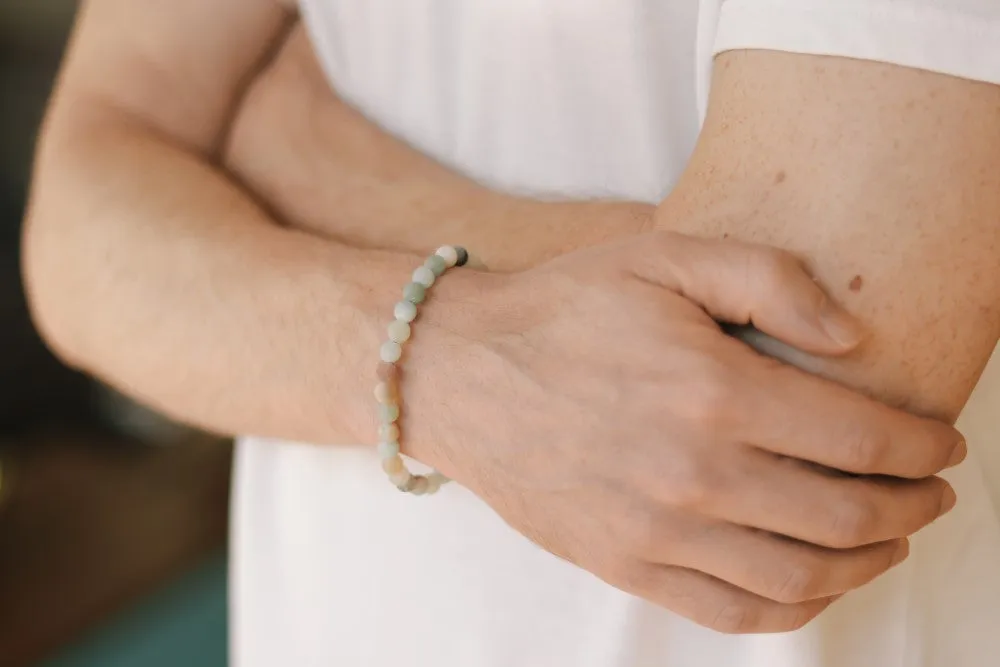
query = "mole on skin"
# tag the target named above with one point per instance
(855, 284)
(780, 177)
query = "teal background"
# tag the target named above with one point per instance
(183, 624)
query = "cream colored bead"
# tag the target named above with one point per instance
(400, 478)
(385, 392)
(399, 331)
(424, 276)
(448, 254)
(393, 465)
(390, 351)
(388, 432)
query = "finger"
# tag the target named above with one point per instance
(745, 283)
(810, 504)
(716, 604)
(823, 422)
(778, 568)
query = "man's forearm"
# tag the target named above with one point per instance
(321, 166)
(213, 312)
(150, 270)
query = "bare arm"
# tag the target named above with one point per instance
(323, 167)
(148, 266)
(887, 180)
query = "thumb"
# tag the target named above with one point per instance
(746, 283)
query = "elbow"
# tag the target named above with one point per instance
(49, 289)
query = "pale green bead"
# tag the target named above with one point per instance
(390, 352)
(423, 276)
(388, 432)
(388, 413)
(405, 311)
(387, 450)
(414, 292)
(436, 264)
(399, 331)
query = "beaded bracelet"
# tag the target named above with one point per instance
(387, 390)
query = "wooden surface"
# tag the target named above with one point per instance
(88, 527)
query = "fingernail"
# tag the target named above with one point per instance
(841, 327)
(902, 551)
(948, 499)
(958, 454)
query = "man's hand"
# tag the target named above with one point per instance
(611, 421)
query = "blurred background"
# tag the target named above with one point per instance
(112, 519)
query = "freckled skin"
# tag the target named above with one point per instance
(886, 182)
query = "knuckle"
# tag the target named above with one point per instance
(864, 450)
(799, 617)
(853, 524)
(643, 532)
(734, 617)
(798, 582)
(692, 483)
(628, 574)
(710, 395)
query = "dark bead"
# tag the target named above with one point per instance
(463, 256)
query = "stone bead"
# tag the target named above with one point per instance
(436, 264)
(390, 351)
(388, 432)
(401, 479)
(386, 371)
(408, 485)
(448, 254)
(462, 256)
(388, 413)
(435, 481)
(386, 391)
(405, 311)
(419, 485)
(399, 331)
(414, 292)
(393, 465)
(388, 450)
(423, 276)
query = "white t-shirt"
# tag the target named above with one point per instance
(333, 567)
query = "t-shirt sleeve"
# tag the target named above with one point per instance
(956, 37)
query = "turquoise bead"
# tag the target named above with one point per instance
(436, 264)
(414, 292)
